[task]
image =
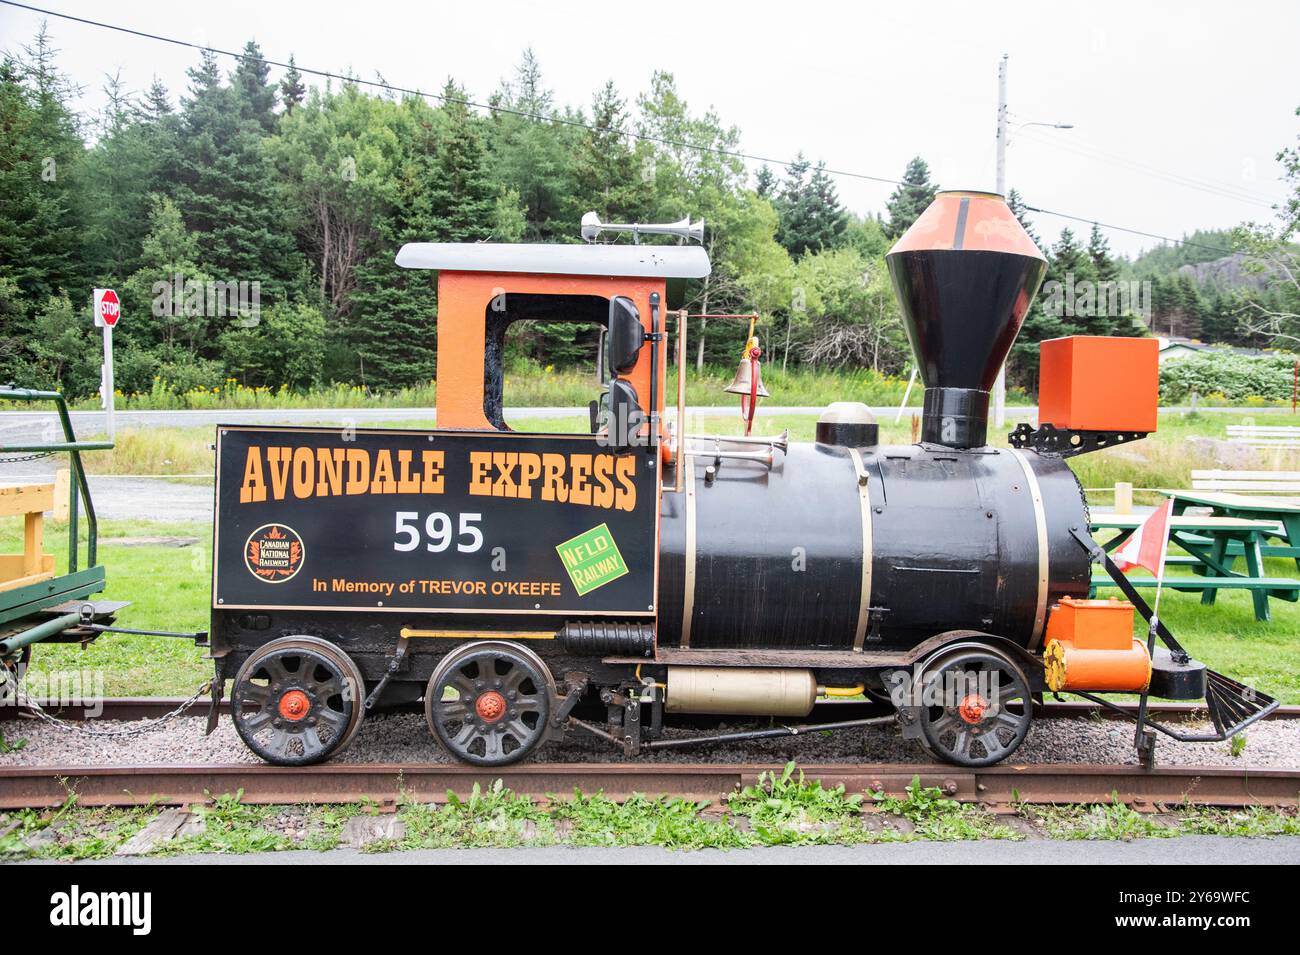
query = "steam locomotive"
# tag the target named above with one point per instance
(525, 586)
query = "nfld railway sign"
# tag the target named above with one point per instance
(452, 522)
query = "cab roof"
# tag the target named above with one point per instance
(639, 261)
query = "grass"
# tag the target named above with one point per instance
(783, 808)
(528, 385)
(169, 589)
(155, 451)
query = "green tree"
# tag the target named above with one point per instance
(1104, 266)
(171, 323)
(62, 353)
(224, 183)
(285, 348)
(292, 90)
(1018, 208)
(697, 173)
(340, 160)
(254, 91)
(115, 181)
(867, 235)
(850, 316)
(910, 197)
(610, 176)
(533, 153)
(1274, 316)
(40, 149)
(811, 215)
(461, 196)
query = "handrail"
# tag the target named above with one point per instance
(79, 485)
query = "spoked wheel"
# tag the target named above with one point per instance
(979, 709)
(297, 700)
(489, 703)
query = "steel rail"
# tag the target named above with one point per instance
(999, 787)
(151, 707)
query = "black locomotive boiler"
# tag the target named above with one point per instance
(525, 586)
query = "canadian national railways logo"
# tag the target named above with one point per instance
(274, 553)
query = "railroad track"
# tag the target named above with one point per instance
(152, 707)
(999, 787)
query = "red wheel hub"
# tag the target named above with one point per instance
(491, 706)
(972, 708)
(294, 705)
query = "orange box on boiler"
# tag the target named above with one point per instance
(1099, 383)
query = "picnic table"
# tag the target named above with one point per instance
(1207, 540)
(1284, 513)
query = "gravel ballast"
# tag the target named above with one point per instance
(404, 738)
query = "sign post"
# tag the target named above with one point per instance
(108, 309)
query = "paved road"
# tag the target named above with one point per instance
(1183, 850)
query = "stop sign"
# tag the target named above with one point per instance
(107, 307)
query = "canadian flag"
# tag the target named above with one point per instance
(1146, 548)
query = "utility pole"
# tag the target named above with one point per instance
(999, 396)
(1000, 386)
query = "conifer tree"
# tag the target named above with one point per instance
(607, 171)
(253, 89)
(811, 215)
(292, 90)
(223, 182)
(910, 197)
(1017, 206)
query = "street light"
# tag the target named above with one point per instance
(1000, 386)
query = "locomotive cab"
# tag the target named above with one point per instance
(526, 586)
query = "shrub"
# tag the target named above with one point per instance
(1256, 379)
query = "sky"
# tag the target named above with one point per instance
(1178, 109)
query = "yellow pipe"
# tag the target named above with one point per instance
(490, 634)
(662, 686)
(843, 690)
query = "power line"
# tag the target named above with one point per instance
(559, 120)
(1120, 228)
(1240, 194)
(407, 91)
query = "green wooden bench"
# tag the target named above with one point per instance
(1282, 588)
(1284, 513)
(1208, 543)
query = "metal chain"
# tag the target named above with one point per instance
(146, 726)
(28, 457)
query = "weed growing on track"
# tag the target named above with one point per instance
(935, 817)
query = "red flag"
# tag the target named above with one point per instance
(1146, 548)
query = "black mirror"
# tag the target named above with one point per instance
(624, 336)
(623, 415)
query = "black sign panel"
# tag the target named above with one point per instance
(387, 520)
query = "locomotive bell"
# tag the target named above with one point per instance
(965, 275)
(743, 382)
